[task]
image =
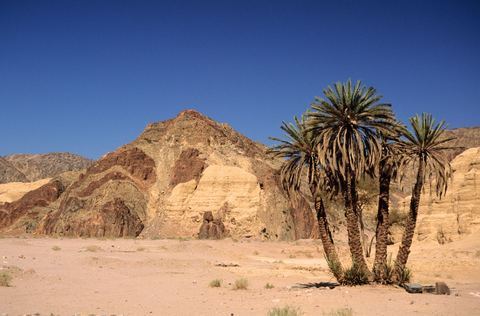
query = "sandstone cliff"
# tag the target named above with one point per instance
(164, 183)
(458, 212)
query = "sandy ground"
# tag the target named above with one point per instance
(171, 277)
(15, 190)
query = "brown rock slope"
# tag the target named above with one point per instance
(40, 166)
(458, 212)
(164, 182)
(8, 172)
(464, 138)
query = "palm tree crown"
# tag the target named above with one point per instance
(300, 154)
(346, 124)
(426, 143)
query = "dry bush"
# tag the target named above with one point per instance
(93, 248)
(5, 278)
(340, 312)
(56, 248)
(285, 311)
(241, 284)
(215, 283)
(269, 286)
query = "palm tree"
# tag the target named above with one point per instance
(345, 125)
(301, 168)
(387, 171)
(424, 148)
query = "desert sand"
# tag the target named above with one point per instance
(172, 276)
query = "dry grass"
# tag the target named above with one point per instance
(56, 248)
(285, 311)
(241, 284)
(340, 312)
(93, 248)
(215, 283)
(140, 249)
(5, 278)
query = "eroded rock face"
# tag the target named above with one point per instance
(187, 167)
(211, 228)
(458, 212)
(29, 204)
(109, 200)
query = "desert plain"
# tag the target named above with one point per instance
(54, 276)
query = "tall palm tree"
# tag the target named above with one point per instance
(301, 168)
(387, 171)
(345, 125)
(424, 147)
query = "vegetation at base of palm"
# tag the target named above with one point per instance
(355, 275)
(285, 311)
(346, 138)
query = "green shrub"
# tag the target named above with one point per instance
(385, 273)
(335, 268)
(285, 311)
(354, 276)
(241, 284)
(404, 276)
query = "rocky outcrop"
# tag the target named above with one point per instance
(458, 212)
(34, 167)
(13, 191)
(211, 228)
(108, 200)
(30, 205)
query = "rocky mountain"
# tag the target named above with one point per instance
(178, 177)
(40, 166)
(464, 138)
(8, 172)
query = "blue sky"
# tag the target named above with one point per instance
(87, 76)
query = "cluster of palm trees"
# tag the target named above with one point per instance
(349, 135)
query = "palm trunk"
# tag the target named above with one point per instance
(411, 222)
(327, 240)
(353, 231)
(382, 221)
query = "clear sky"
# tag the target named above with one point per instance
(87, 76)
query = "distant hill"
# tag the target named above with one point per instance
(33, 167)
(465, 138)
(8, 172)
